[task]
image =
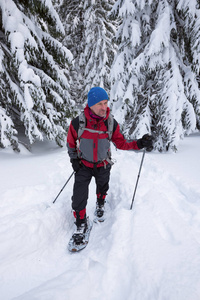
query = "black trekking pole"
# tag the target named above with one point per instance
(144, 151)
(64, 186)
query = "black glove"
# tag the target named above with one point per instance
(146, 142)
(76, 164)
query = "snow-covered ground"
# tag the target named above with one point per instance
(149, 253)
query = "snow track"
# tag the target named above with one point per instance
(149, 253)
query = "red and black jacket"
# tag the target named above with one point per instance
(94, 147)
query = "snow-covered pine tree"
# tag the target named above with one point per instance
(34, 68)
(71, 13)
(89, 37)
(7, 130)
(188, 12)
(124, 82)
(151, 69)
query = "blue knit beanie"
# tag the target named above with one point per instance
(95, 95)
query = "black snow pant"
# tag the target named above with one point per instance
(81, 185)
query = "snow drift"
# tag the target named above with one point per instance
(149, 253)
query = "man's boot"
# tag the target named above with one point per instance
(81, 227)
(100, 208)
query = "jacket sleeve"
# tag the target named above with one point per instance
(71, 141)
(120, 142)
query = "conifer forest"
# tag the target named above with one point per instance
(144, 53)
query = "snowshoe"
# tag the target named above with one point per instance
(80, 238)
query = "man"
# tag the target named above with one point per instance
(90, 154)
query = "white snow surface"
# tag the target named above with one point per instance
(151, 252)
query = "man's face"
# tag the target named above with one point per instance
(100, 108)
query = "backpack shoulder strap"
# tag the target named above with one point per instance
(82, 123)
(110, 123)
(75, 123)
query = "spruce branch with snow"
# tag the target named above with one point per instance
(35, 70)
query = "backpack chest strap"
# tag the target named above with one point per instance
(95, 131)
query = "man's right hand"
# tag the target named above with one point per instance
(76, 164)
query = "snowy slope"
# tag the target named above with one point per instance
(149, 253)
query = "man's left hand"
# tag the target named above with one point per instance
(146, 142)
